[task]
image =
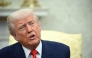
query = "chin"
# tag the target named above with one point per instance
(34, 42)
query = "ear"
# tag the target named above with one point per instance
(15, 37)
(39, 26)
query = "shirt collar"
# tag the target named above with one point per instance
(27, 51)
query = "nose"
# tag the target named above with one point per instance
(29, 29)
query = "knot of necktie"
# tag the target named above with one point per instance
(34, 52)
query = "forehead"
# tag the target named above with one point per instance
(30, 17)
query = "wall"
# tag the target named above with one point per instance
(70, 16)
(4, 34)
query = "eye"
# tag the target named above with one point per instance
(22, 28)
(31, 23)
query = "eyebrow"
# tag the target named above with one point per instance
(21, 25)
(30, 21)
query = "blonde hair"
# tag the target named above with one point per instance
(17, 15)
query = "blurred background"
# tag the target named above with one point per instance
(69, 16)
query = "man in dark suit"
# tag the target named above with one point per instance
(25, 28)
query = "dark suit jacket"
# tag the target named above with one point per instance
(49, 50)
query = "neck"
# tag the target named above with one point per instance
(31, 47)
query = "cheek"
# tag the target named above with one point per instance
(22, 34)
(38, 30)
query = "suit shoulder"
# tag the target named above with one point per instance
(59, 49)
(54, 44)
(7, 49)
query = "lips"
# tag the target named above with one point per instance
(32, 36)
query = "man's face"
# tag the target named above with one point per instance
(27, 31)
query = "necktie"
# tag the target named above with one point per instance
(33, 53)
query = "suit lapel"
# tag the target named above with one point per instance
(46, 51)
(19, 52)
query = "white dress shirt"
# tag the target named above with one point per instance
(27, 51)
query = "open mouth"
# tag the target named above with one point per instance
(32, 36)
